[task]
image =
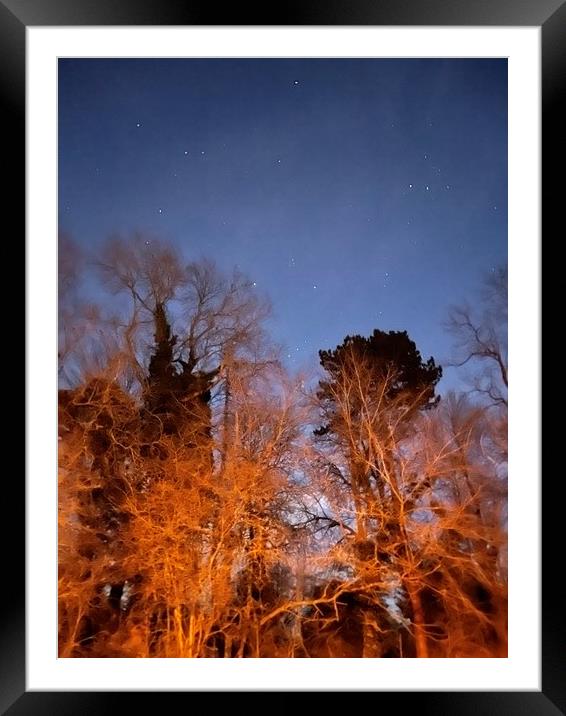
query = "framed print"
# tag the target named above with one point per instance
(182, 423)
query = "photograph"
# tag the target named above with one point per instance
(282, 357)
(276, 260)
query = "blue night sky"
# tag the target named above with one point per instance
(357, 194)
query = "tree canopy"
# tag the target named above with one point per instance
(200, 517)
(393, 372)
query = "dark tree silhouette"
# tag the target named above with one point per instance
(392, 365)
(177, 393)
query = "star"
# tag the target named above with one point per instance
(202, 152)
(427, 188)
(160, 211)
(410, 186)
(254, 284)
(138, 124)
(314, 286)
(295, 82)
(185, 152)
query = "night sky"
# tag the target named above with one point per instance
(357, 194)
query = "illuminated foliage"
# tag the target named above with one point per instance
(200, 517)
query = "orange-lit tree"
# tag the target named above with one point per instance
(199, 516)
(412, 499)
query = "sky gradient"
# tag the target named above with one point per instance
(357, 194)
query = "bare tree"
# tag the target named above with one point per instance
(410, 499)
(208, 312)
(162, 555)
(157, 527)
(464, 589)
(376, 388)
(481, 338)
(200, 517)
(76, 320)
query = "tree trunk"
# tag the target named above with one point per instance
(421, 645)
(372, 643)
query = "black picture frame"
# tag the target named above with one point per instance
(15, 16)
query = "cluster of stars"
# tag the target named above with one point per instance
(175, 174)
(292, 262)
(428, 188)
